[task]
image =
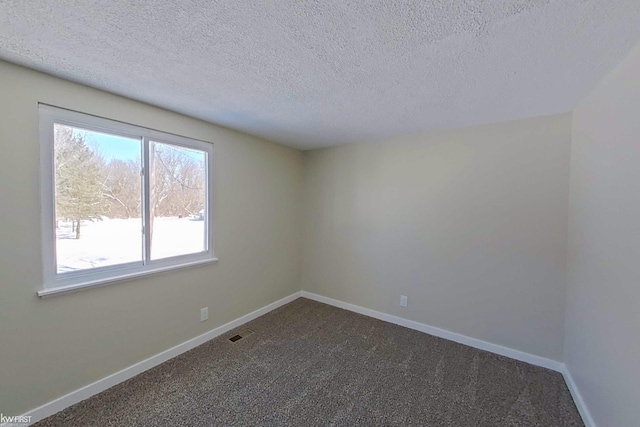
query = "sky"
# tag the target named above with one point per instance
(113, 147)
(117, 147)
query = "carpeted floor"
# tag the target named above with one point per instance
(310, 364)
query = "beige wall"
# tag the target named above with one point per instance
(602, 348)
(471, 225)
(49, 347)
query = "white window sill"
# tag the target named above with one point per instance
(122, 278)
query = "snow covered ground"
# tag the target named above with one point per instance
(117, 241)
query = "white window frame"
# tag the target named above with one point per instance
(54, 282)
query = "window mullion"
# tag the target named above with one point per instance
(146, 200)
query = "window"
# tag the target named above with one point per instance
(120, 200)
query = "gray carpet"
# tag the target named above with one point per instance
(310, 364)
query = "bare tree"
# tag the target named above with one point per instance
(177, 182)
(121, 188)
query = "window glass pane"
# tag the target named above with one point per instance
(97, 199)
(178, 184)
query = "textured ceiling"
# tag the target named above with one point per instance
(318, 73)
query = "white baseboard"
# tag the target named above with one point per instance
(471, 342)
(85, 392)
(442, 333)
(578, 399)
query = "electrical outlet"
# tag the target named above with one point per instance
(403, 301)
(204, 314)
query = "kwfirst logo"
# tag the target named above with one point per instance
(15, 420)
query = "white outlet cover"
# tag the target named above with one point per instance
(204, 314)
(403, 300)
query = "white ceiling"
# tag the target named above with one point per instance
(319, 73)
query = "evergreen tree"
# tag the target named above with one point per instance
(79, 180)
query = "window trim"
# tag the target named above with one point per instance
(54, 283)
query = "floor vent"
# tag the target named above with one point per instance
(242, 334)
